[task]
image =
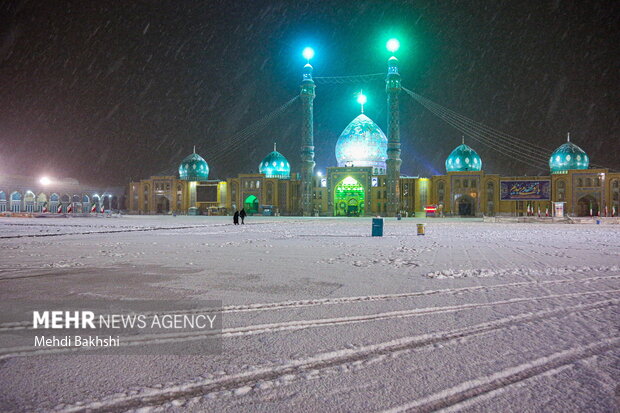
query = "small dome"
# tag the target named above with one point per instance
(275, 165)
(362, 143)
(194, 168)
(568, 156)
(463, 158)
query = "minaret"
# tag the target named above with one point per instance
(307, 135)
(392, 87)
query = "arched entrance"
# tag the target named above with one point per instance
(85, 203)
(95, 203)
(41, 202)
(251, 205)
(29, 199)
(2, 201)
(466, 206)
(585, 205)
(163, 205)
(16, 201)
(54, 200)
(106, 202)
(76, 203)
(64, 202)
(349, 198)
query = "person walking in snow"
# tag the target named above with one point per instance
(236, 218)
(242, 214)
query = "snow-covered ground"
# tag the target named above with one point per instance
(319, 316)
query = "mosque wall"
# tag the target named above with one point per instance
(461, 193)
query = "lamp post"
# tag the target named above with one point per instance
(307, 95)
(393, 88)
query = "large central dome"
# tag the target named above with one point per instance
(362, 143)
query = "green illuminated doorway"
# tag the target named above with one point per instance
(251, 205)
(349, 198)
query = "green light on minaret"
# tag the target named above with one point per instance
(361, 99)
(393, 45)
(308, 53)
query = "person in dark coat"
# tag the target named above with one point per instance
(242, 214)
(236, 218)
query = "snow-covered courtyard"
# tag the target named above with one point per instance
(320, 316)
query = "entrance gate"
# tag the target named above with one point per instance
(349, 198)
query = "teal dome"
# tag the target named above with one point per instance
(568, 156)
(463, 158)
(275, 165)
(194, 168)
(362, 143)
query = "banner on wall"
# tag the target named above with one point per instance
(525, 190)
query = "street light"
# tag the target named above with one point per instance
(393, 45)
(45, 180)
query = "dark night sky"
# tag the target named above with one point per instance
(106, 91)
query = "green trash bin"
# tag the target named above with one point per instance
(377, 227)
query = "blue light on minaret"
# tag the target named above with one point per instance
(393, 88)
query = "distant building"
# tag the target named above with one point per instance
(35, 195)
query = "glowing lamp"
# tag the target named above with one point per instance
(308, 53)
(393, 45)
(361, 99)
(45, 180)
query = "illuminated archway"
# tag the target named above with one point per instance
(16, 201)
(251, 205)
(349, 197)
(29, 200)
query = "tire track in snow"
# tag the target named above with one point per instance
(177, 337)
(502, 379)
(157, 397)
(109, 231)
(121, 230)
(17, 325)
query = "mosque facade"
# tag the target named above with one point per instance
(358, 185)
(367, 180)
